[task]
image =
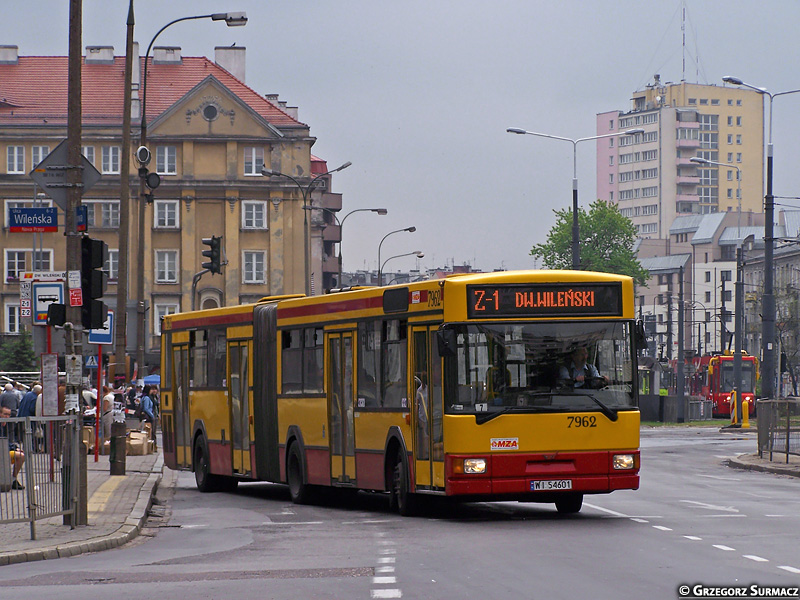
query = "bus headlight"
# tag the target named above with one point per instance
(624, 462)
(474, 465)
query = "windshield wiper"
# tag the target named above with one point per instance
(485, 417)
(604, 408)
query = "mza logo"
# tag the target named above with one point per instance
(505, 444)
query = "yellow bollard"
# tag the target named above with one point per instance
(745, 415)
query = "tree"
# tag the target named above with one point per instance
(606, 243)
(16, 354)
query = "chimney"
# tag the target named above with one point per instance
(136, 78)
(232, 59)
(99, 55)
(167, 55)
(292, 112)
(9, 55)
(272, 98)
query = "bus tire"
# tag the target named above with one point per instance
(569, 504)
(299, 490)
(201, 465)
(402, 498)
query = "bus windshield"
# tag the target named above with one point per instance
(537, 367)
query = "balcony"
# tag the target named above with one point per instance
(332, 233)
(687, 143)
(687, 180)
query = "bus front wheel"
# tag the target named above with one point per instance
(569, 504)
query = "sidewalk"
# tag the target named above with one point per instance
(778, 465)
(117, 510)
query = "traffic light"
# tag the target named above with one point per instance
(56, 314)
(214, 253)
(93, 282)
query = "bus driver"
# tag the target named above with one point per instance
(577, 371)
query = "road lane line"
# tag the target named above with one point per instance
(386, 593)
(694, 538)
(661, 527)
(790, 569)
(606, 510)
(639, 520)
(725, 548)
(755, 558)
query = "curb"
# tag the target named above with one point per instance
(769, 467)
(129, 530)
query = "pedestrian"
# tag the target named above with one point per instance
(148, 412)
(107, 416)
(27, 408)
(9, 399)
(14, 449)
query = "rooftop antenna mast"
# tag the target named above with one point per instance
(683, 36)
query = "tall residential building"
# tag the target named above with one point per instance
(650, 175)
(210, 135)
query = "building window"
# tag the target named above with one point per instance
(254, 214)
(38, 154)
(730, 138)
(162, 310)
(88, 153)
(739, 102)
(738, 157)
(253, 271)
(725, 276)
(692, 101)
(110, 163)
(111, 266)
(610, 161)
(738, 121)
(730, 102)
(110, 214)
(730, 157)
(12, 318)
(708, 296)
(15, 264)
(715, 102)
(730, 121)
(166, 214)
(610, 196)
(42, 260)
(611, 124)
(166, 266)
(610, 178)
(15, 159)
(739, 139)
(730, 193)
(730, 175)
(166, 160)
(253, 160)
(708, 275)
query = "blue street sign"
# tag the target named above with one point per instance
(26, 220)
(106, 334)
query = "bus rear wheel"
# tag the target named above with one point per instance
(402, 498)
(569, 504)
(299, 490)
(205, 481)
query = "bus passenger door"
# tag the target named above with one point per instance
(341, 406)
(427, 409)
(239, 393)
(183, 424)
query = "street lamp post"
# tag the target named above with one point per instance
(417, 253)
(380, 211)
(576, 257)
(737, 345)
(768, 302)
(305, 191)
(411, 229)
(233, 19)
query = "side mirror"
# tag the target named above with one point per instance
(639, 336)
(447, 342)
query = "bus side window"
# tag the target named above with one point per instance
(395, 349)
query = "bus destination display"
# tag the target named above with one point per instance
(544, 300)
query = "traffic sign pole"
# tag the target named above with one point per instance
(98, 403)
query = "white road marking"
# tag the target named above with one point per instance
(661, 527)
(718, 477)
(639, 520)
(292, 523)
(383, 580)
(790, 569)
(723, 516)
(384, 569)
(694, 538)
(387, 551)
(386, 559)
(386, 594)
(755, 558)
(725, 548)
(711, 506)
(605, 510)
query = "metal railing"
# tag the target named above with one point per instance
(38, 469)
(779, 427)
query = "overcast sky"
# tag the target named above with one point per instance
(418, 95)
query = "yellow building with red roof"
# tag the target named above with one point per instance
(209, 135)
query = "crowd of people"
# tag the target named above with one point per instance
(19, 400)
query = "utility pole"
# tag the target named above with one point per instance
(723, 313)
(74, 182)
(121, 315)
(680, 370)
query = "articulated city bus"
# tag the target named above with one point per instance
(460, 387)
